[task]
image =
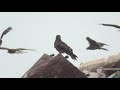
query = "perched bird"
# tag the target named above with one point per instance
(5, 32)
(112, 25)
(62, 47)
(95, 45)
(17, 50)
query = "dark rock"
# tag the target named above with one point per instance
(57, 67)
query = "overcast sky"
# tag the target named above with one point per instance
(37, 30)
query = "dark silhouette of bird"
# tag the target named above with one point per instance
(4, 33)
(17, 50)
(112, 25)
(95, 45)
(62, 47)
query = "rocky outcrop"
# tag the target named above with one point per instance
(53, 67)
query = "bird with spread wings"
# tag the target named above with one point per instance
(17, 50)
(95, 45)
(62, 47)
(4, 33)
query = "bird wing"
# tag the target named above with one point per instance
(92, 42)
(4, 48)
(101, 44)
(105, 49)
(111, 25)
(24, 49)
(6, 31)
(64, 47)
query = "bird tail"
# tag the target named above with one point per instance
(104, 49)
(106, 44)
(73, 56)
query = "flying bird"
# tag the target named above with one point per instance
(95, 45)
(62, 47)
(112, 25)
(17, 50)
(4, 33)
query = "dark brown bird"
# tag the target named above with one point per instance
(62, 47)
(4, 33)
(17, 50)
(112, 25)
(95, 45)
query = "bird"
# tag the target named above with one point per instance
(4, 33)
(93, 45)
(62, 47)
(17, 50)
(112, 25)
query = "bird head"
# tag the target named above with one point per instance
(9, 28)
(87, 38)
(58, 37)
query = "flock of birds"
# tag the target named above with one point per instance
(62, 47)
(59, 45)
(11, 51)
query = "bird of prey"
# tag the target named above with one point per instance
(112, 25)
(17, 50)
(95, 45)
(62, 47)
(5, 32)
